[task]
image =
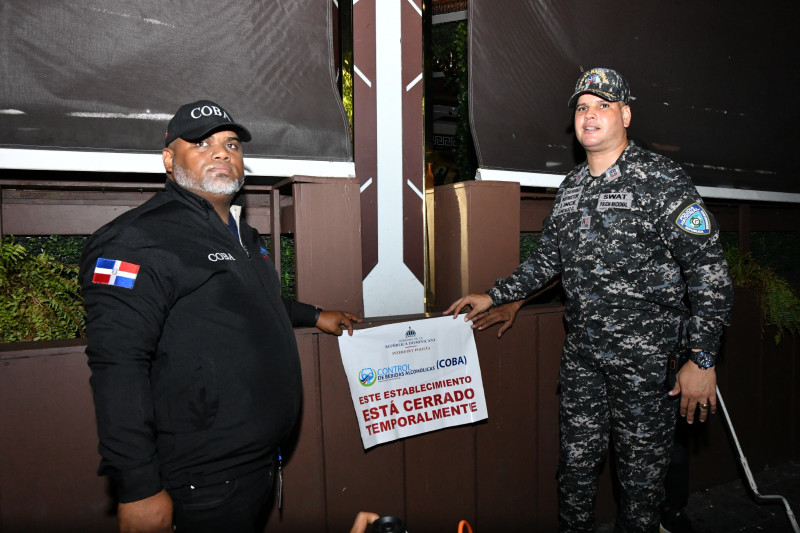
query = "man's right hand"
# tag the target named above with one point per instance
(150, 515)
(478, 302)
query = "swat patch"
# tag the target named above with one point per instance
(694, 220)
(615, 200)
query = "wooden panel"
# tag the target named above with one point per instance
(775, 217)
(779, 399)
(32, 219)
(548, 350)
(365, 128)
(82, 211)
(440, 479)
(713, 457)
(763, 216)
(741, 381)
(508, 476)
(48, 445)
(533, 210)
(304, 483)
(499, 475)
(327, 245)
(477, 237)
(356, 480)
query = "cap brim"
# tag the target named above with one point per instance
(200, 133)
(574, 100)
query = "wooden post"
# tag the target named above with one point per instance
(744, 228)
(327, 241)
(477, 237)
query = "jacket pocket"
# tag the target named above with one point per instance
(192, 398)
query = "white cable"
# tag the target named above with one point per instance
(749, 474)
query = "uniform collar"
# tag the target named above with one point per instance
(617, 170)
(187, 197)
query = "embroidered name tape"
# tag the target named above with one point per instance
(615, 200)
(694, 220)
(115, 272)
(569, 201)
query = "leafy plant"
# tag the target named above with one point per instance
(528, 242)
(64, 248)
(780, 306)
(347, 88)
(288, 269)
(39, 297)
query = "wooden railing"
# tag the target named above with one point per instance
(322, 213)
(498, 474)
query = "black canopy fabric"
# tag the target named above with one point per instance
(106, 75)
(713, 83)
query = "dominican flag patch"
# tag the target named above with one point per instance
(115, 272)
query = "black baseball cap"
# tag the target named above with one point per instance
(606, 83)
(195, 121)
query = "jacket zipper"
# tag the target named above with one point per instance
(236, 212)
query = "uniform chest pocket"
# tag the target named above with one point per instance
(625, 234)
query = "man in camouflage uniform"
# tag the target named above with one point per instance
(630, 237)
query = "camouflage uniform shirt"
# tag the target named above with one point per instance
(629, 246)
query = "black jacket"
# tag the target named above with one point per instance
(195, 371)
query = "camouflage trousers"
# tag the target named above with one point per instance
(622, 398)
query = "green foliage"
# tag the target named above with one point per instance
(288, 276)
(778, 250)
(780, 305)
(65, 248)
(39, 296)
(347, 88)
(528, 242)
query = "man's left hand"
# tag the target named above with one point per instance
(335, 321)
(698, 389)
(505, 313)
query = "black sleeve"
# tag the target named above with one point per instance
(300, 314)
(123, 328)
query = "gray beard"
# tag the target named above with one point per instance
(210, 184)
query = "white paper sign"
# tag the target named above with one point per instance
(413, 377)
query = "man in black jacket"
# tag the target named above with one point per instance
(195, 369)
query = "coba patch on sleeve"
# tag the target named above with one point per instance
(694, 219)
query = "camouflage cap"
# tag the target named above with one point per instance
(605, 83)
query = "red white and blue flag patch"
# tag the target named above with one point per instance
(115, 272)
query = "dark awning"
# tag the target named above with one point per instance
(106, 75)
(712, 82)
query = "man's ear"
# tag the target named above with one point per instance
(167, 156)
(626, 116)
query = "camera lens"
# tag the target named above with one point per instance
(388, 524)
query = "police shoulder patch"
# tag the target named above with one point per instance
(694, 219)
